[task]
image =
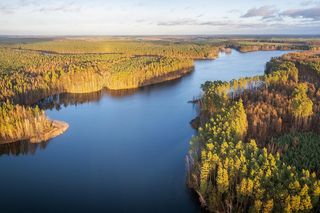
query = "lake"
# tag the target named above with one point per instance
(123, 152)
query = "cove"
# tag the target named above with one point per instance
(123, 152)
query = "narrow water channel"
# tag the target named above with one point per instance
(122, 152)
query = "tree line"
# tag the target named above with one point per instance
(32, 74)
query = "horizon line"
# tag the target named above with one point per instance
(158, 35)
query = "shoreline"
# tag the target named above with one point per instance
(29, 101)
(58, 128)
(249, 49)
(157, 79)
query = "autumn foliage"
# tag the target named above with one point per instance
(257, 145)
(33, 71)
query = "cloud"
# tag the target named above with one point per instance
(12, 8)
(310, 13)
(7, 9)
(264, 12)
(218, 23)
(269, 13)
(234, 11)
(215, 23)
(310, 2)
(275, 24)
(26, 3)
(185, 22)
(179, 22)
(69, 7)
(275, 18)
(140, 4)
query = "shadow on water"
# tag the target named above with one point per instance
(124, 151)
(22, 148)
(58, 101)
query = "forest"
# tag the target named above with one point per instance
(19, 123)
(33, 70)
(34, 75)
(126, 47)
(257, 146)
(266, 44)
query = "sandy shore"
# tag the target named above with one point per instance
(58, 128)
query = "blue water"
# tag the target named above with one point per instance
(121, 153)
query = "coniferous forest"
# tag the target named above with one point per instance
(257, 144)
(30, 72)
(158, 106)
(257, 148)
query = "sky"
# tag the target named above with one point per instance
(158, 17)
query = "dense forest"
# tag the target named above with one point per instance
(257, 148)
(266, 44)
(126, 47)
(26, 123)
(28, 75)
(31, 71)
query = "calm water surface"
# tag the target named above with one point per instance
(121, 153)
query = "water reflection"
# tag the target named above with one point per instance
(58, 101)
(69, 99)
(122, 154)
(22, 148)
